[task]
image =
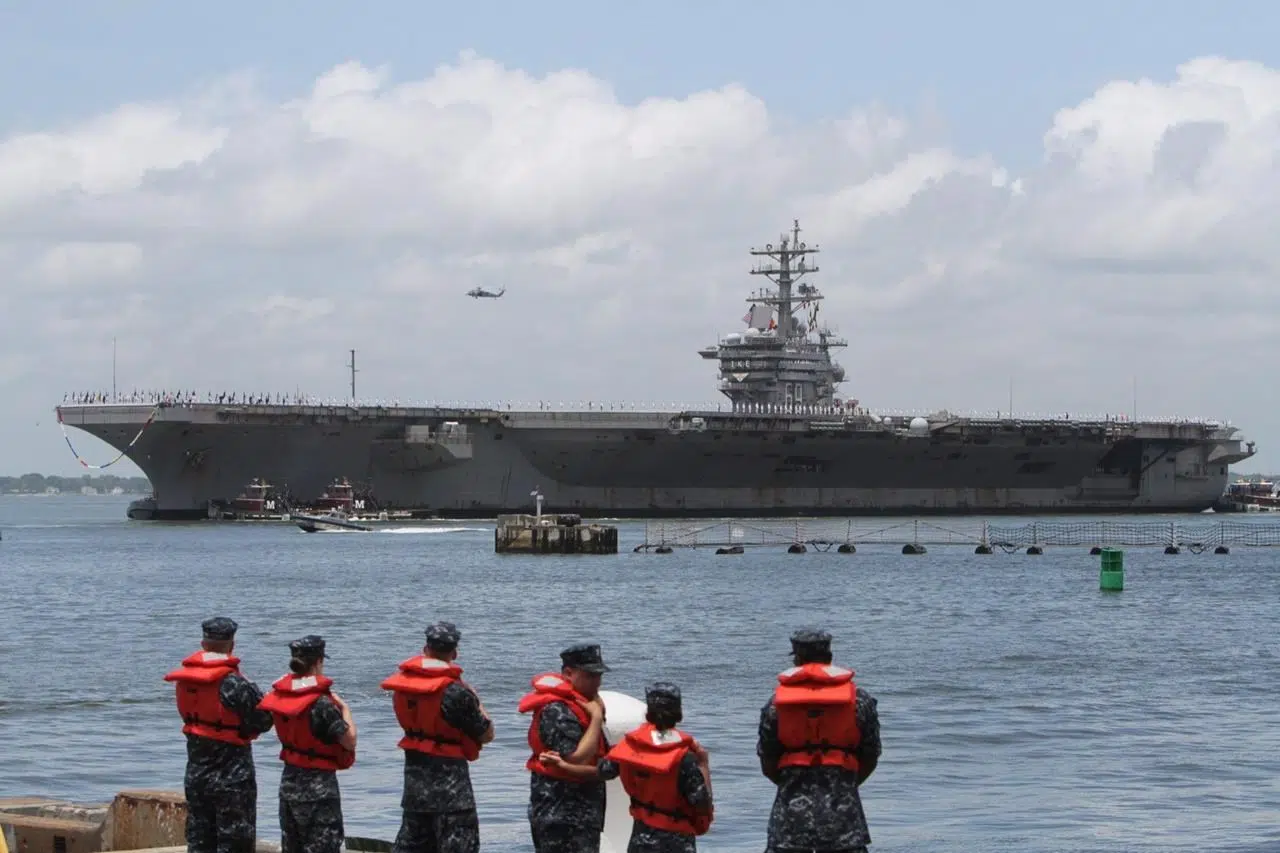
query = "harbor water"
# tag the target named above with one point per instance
(1022, 709)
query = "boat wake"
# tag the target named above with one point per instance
(412, 530)
(407, 531)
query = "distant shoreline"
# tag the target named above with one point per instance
(74, 494)
(87, 485)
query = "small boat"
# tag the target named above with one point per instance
(359, 504)
(334, 519)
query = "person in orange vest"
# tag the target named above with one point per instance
(566, 810)
(220, 716)
(819, 740)
(445, 725)
(317, 738)
(666, 773)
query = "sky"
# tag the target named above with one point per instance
(1066, 205)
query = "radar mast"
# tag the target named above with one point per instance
(780, 363)
(788, 268)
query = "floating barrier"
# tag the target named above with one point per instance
(913, 536)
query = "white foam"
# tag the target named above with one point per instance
(414, 530)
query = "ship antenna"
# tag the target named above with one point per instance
(787, 270)
(352, 365)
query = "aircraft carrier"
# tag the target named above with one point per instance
(783, 443)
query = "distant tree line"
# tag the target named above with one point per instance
(35, 484)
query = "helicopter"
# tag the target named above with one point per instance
(481, 293)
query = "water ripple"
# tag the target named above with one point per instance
(1022, 710)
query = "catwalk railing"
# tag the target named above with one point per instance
(819, 533)
(903, 416)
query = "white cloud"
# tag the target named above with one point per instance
(279, 312)
(887, 193)
(260, 241)
(86, 263)
(109, 154)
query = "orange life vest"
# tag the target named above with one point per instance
(649, 767)
(419, 688)
(547, 688)
(818, 717)
(290, 702)
(197, 685)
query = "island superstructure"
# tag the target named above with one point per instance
(780, 363)
(785, 443)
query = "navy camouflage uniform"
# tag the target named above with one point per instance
(310, 802)
(566, 817)
(818, 808)
(693, 787)
(439, 804)
(220, 784)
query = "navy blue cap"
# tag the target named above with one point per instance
(443, 636)
(810, 640)
(309, 647)
(584, 656)
(662, 693)
(219, 628)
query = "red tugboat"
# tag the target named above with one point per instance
(352, 502)
(340, 495)
(260, 501)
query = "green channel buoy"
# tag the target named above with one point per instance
(1111, 577)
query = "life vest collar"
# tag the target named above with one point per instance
(650, 737)
(295, 685)
(816, 673)
(550, 682)
(211, 659)
(429, 666)
(553, 687)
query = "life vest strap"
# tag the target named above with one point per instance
(309, 753)
(421, 735)
(650, 807)
(820, 747)
(193, 720)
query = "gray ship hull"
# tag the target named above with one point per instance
(467, 463)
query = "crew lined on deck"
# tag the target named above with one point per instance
(185, 398)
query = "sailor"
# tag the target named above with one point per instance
(666, 773)
(317, 738)
(445, 725)
(819, 740)
(566, 810)
(219, 712)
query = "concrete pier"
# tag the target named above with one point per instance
(135, 821)
(552, 534)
